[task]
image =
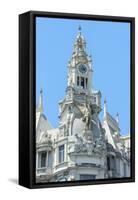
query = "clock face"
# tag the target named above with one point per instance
(82, 68)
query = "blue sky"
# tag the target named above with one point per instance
(109, 45)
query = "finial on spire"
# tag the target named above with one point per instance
(41, 91)
(117, 117)
(40, 105)
(79, 28)
(105, 108)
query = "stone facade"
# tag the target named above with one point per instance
(82, 147)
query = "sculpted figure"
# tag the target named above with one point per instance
(79, 139)
(100, 144)
(87, 117)
(70, 80)
(79, 146)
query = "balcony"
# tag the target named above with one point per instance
(60, 166)
(44, 171)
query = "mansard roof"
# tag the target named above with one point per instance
(38, 118)
(112, 122)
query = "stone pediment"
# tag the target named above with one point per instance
(45, 139)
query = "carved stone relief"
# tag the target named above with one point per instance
(82, 145)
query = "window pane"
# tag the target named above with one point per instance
(125, 170)
(49, 159)
(87, 177)
(112, 163)
(61, 153)
(78, 80)
(43, 159)
(108, 163)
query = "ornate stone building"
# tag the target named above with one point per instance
(82, 147)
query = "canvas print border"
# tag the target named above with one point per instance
(27, 72)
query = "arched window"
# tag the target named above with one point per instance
(86, 83)
(108, 163)
(61, 153)
(77, 80)
(42, 159)
(82, 82)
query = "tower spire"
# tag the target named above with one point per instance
(105, 107)
(80, 43)
(40, 104)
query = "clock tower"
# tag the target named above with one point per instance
(80, 68)
(82, 103)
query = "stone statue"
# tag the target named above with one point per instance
(67, 126)
(87, 117)
(100, 145)
(69, 94)
(79, 146)
(90, 147)
(46, 139)
(79, 139)
(70, 81)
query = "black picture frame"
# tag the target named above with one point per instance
(27, 95)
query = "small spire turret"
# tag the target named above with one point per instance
(117, 117)
(40, 104)
(80, 44)
(105, 107)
